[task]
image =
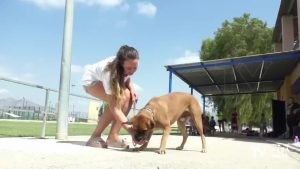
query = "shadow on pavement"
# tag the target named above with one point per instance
(80, 143)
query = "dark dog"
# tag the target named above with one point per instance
(162, 112)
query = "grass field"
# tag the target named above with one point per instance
(22, 128)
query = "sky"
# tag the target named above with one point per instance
(163, 31)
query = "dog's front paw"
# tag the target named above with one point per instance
(162, 151)
(139, 148)
(203, 150)
(179, 148)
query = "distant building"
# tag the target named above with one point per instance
(94, 107)
(286, 38)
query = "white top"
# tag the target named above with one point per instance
(96, 72)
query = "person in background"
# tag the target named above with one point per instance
(234, 122)
(212, 124)
(205, 121)
(291, 118)
(263, 124)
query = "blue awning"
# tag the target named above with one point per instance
(242, 75)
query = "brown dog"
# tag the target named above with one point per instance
(162, 112)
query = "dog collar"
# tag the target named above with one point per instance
(149, 111)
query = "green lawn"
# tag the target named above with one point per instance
(21, 128)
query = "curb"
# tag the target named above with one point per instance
(289, 146)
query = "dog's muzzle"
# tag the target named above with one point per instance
(140, 136)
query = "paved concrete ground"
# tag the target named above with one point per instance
(222, 153)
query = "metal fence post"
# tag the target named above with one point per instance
(45, 114)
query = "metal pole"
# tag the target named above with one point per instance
(204, 106)
(170, 82)
(64, 86)
(192, 91)
(45, 114)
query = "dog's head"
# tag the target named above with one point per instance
(143, 126)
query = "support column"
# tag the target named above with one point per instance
(298, 16)
(204, 106)
(170, 81)
(287, 27)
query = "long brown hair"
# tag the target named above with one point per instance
(116, 69)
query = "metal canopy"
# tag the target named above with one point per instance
(243, 75)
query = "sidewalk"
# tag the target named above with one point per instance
(286, 143)
(222, 152)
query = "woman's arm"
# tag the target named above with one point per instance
(116, 110)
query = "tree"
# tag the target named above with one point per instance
(241, 37)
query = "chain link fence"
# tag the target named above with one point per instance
(27, 109)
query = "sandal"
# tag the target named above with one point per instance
(118, 144)
(96, 142)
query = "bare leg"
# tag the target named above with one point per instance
(116, 126)
(103, 122)
(98, 91)
(95, 140)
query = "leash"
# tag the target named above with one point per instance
(134, 109)
(134, 114)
